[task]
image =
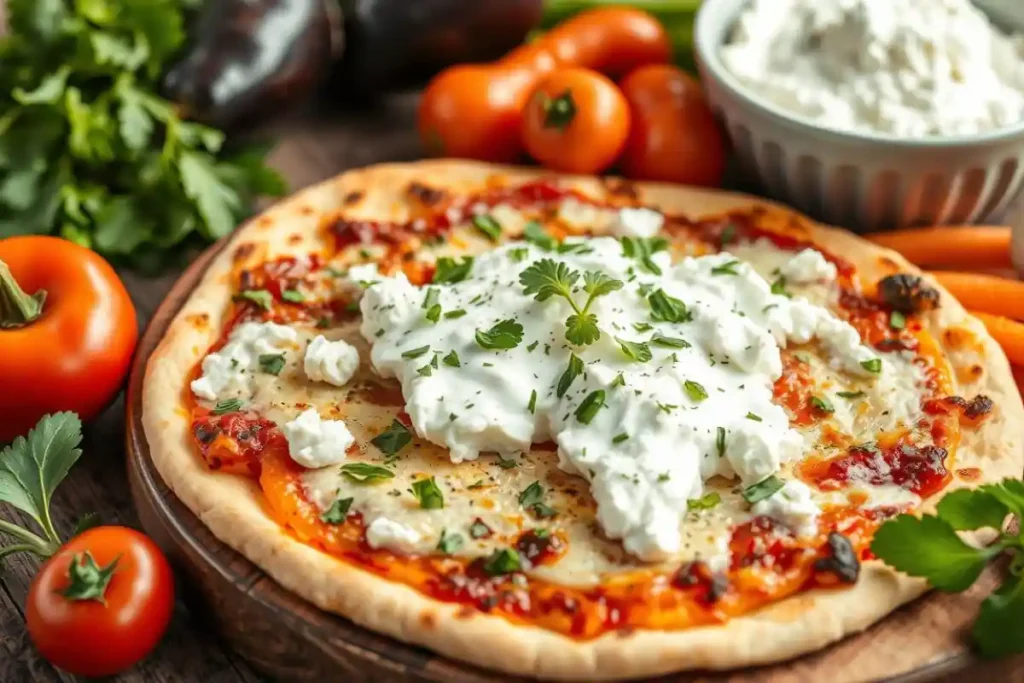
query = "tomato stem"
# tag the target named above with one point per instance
(17, 308)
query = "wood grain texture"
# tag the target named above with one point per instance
(287, 638)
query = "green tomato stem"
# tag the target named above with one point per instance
(31, 541)
(21, 548)
(17, 308)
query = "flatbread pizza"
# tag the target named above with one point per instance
(568, 427)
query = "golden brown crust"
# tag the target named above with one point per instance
(231, 506)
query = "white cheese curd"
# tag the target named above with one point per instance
(792, 506)
(910, 68)
(385, 533)
(328, 361)
(578, 214)
(808, 266)
(640, 222)
(228, 371)
(314, 442)
(701, 406)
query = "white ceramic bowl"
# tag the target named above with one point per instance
(857, 180)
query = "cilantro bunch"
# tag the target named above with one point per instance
(929, 547)
(88, 148)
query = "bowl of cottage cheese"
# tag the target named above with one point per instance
(872, 114)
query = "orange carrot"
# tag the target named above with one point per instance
(985, 293)
(968, 247)
(1009, 334)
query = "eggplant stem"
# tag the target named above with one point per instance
(17, 308)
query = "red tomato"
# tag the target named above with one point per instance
(576, 121)
(674, 137)
(108, 633)
(75, 354)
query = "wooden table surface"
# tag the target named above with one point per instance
(313, 148)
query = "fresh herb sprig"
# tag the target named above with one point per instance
(547, 278)
(929, 547)
(87, 145)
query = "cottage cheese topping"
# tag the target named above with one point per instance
(792, 506)
(385, 533)
(333, 362)
(228, 372)
(911, 68)
(644, 432)
(637, 223)
(808, 266)
(314, 442)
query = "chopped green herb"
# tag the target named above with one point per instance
(728, 268)
(457, 313)
(588, 409)
(486, 224)
(754, 417)
(427, 492)
(506, 334)
(433, 313)
(260, 297)
(478, 529)
(452, 359)
(478, 484)
(822, 404)
(532, 405)
(449, 271)
(671, 342)
(518, 254)
(543, 511)
(874, 365)
(642, 249)
(668, 309)
(619, 438)
(572, 371)
(365, 473)
(323, 323)
(425, 371)
(501, 562)
(779, 287)
(334, 271)
(415, 353)
(850, 394)
(635, 351)
(897, 320)
(535, 235)
(762, 490)
(720, 441)
(706, 502)
(431, 298)
(338, 511)
(393, 439)
(230, 405)
(506, 464)
(449, 543)
(532, 346)
(619, 381)
(695, 391)
(643, 327)
(271, 363)
(293, 295)
(531, 495)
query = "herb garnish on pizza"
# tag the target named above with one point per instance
(571, 428)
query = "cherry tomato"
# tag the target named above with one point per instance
(674, 136)
(474, 111)
(89, 629)
(75, 354)
(576, 121)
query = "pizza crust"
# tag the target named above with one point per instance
(232, 506)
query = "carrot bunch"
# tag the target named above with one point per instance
(959, 253)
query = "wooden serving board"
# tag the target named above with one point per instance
(291, 640)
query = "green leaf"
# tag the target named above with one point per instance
(449, 543)
(260, 297)
(668, 309)
(31, 467)
(531, 495)
(720, 441)
(452, 360)
(271, 363)
(506, 334)
(135, 122)
(546, 278)
(582, 330)
(416, 353)
(965, 509)
(695, 391)
(590, 406)
(822, 404)
(89, 520)
(635, 351)
(705, 502)
(670, 342)
(216, 201)
(478, 529)
(501, 562)
(230, 405)
(728, 268)
(121, 226)
(642, 249)
(897, 320)
(597, 284)
(39, 19)
(762, 490)
(19, 189)
(486, 224)
(572, 371)
(532, 405)
(366, 473)
(997, 631)
(338, 512)
(874, 365)
(930, 548)
(393, 439)
(428, 493)
(779, 287)
(450, 271)
(535, 235)
(113, 50)
(49, 91)
(1010, 492)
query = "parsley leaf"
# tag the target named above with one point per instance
(670, 342)
(822, 404)
(596, 283)
(547, 278)
(229, 405)
(393, 439)
(728, 268)
(873, 366)
(695, 391)
(706, 502)
(779, 287)
(642, 249)
(260, 297)
(271, 363)
(531, 495)
(501, 562)
(366, 473)
(582, 330)
(415, 353)
(452, 359)
(428, 493)
(293, 295)
(506, 334)
(635, 351)
(535, 235)
(668, 309)
(449, 543)
(764, 489)
(572, 371)
(338, 511)
(930, 548)
(486, 224)
(449, 271)
(590, 406)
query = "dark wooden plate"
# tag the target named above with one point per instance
(287, 638)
